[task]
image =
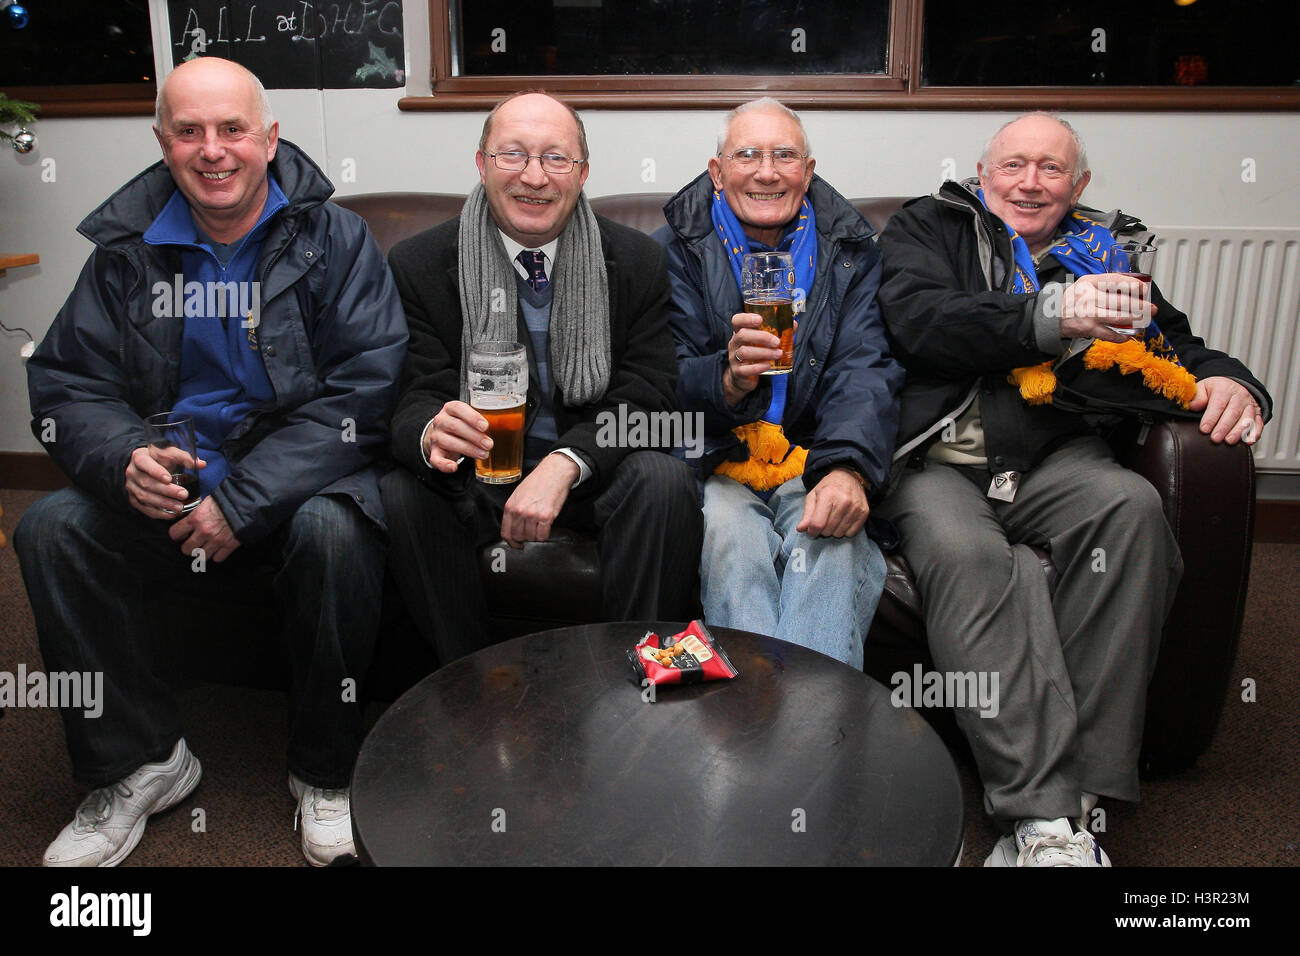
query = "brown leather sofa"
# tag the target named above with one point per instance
(1208, 493)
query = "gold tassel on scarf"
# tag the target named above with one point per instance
(1036, 383)
(1161, 375)
(772, 459)
(1158, 374)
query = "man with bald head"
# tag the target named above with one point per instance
(528, 261)
(224, 288)
(986, 284)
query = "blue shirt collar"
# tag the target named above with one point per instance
(175, 224)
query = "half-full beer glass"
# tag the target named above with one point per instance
(767, 285)
(498, 389)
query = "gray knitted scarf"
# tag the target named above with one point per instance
(489, 300)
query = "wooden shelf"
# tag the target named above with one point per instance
(13, 262)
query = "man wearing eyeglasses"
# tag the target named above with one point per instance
(528, 261)
(985, 283)
(791, 462)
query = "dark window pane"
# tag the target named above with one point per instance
(73, 42)
(593, 37)
(1112, 43)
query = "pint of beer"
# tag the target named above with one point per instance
(498, 390)
(767, 284)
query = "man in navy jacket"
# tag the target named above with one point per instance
(785, 550)
(290, 394)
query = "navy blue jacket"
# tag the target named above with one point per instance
(841, 401)
(332, 335)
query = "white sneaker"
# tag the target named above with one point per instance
(1047, 843)
(110, 821)
(326, 817)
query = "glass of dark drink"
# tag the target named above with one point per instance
(767, 286)
(498, 390)
(171, 443)
(1137, 261)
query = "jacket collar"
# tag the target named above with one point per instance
(175, 225)
(964, 194)
(688, 212)
(128, 213)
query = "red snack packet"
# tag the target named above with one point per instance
(686, 658)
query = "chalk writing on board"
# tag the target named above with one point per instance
(296, 43)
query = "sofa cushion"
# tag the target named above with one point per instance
(643, 211)
(394, 216)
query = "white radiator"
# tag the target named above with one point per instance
(1240, 289)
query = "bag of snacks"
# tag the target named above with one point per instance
(686, 658)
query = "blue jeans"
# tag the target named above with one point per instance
(93, 575)
(759, 574)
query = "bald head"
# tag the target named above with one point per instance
(530, 205)
(217, 143)
(210, 72)
(531, 96)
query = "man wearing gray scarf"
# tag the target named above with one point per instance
(528, 260)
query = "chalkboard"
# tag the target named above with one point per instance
(296, 44)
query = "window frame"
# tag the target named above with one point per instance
(64, 101)
(88, 99)
(899, 87)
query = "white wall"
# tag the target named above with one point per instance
(1172, 169)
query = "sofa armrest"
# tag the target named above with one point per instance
(1208, 492)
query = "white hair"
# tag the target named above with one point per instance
(762, 103)
(1080, 163)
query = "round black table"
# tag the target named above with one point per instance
(543, 750)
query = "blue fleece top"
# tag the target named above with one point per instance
(223, 377)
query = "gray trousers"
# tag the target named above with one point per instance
(1073, 666)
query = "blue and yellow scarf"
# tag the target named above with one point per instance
(1086, 247)
(772, 459)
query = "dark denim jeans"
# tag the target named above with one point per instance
(95, 577)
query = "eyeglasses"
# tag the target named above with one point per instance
(513, 160)
(1016, 167)
(748, 157)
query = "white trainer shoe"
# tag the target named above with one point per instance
(110, 821)
(326, 817)
(1047, 843)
